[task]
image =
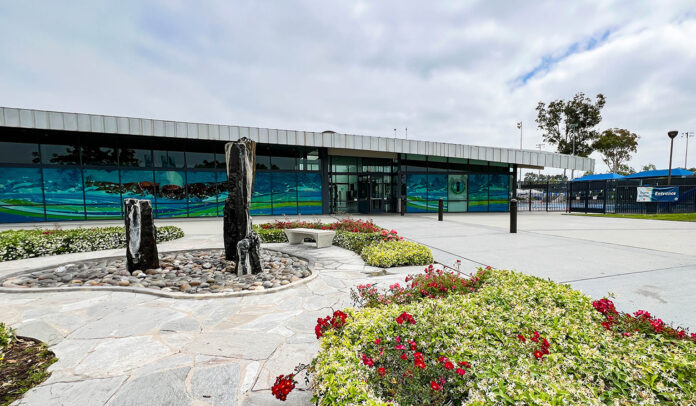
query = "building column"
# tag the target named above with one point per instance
(325, 184)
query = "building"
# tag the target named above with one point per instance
(70, 166)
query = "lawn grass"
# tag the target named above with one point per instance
(669, 216)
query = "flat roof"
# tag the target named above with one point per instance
(96, 123)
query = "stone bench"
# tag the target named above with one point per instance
(324, 238)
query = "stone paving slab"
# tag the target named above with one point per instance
(124, 348)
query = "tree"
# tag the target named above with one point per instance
(531, 177)
(625, 170)
(649, 167)
(616, 146)
(565, 123)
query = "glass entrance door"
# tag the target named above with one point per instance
(374, 193)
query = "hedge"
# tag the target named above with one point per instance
(516, 339)
(19, 244)
(388, 254)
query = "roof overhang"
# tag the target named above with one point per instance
(94, 123)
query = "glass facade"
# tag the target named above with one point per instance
(62, 175)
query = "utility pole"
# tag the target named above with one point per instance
(573, 127)
(687, 135)
(406, 132)
(671, 135)
(519, 125)
(395, 133)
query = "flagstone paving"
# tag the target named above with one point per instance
(122, 348)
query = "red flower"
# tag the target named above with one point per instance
(283, 386)
(377, 340)
(400, 347)
(449, 365)
(521, 338)
(464, 364)
(535, 336)
(538, 354)
(405, 317)
(381, 371)
(413, 346)
(435, 386)
(404, 356)
(461, 371)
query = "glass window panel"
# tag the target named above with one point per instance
(202, 209)
(92, 155)
(433, 205)
(480, 205)
(65, 212)
(200, 160)
(283, 163)
(340, 179)
(417, 193)
(135, 157)
(104, 212)
(21, 214)
(309, 193)
(201, 187)
(170, 186)
(260, 209)
(262, 187)
(456, 207)
(137, 184)
(437, 187)
(219, 160)
(478, 188)
(176, 159)
(168, 210)
(60, 154)
(20, 186)
(498, 205)
(285, 208)
(456, 187)
(499, 187)
(63, 186)
(284, 187)
(102, 186)
(263, 162)
(344, 164)
(19, 153)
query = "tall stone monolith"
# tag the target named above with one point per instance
(241, 163)
(141, 236)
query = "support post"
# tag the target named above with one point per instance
(513, 216)
(440, 209)
(403, 206)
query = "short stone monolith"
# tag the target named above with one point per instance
(141, 236)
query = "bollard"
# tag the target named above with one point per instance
(403, 206)
(440, 209)
(513, 216)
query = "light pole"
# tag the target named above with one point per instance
(519, 125)
(572, 127)
(687, 135)
(540, 146)
(671, 135)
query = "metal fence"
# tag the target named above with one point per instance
(604, 196)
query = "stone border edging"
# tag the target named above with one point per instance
(155, 292)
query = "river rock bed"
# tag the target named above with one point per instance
(202, 271)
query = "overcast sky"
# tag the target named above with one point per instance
(450, 71)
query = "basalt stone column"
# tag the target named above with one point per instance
(241, 163)
(141, 236)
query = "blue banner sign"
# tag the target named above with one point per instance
(658, 194)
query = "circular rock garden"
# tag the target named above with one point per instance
(202, 271)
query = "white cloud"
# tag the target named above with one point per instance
(446, 70)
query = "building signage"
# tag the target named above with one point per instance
(658, 194)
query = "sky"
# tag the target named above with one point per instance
(450, 71)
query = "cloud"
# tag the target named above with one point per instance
(449, 71)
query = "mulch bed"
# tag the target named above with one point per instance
(23, 367)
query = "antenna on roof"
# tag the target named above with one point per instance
(395, 133)
(406, 132)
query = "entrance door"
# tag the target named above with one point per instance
(373, 193)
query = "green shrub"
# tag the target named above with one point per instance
(6, 337)
(19, 244)
(517, 340)
(355, 241)
(270, 235)
(396, 253)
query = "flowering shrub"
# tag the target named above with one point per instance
(352, 225)
(19, 244)
(515, 339)
(395, 253)
(432, 283)
(640, 322)
(6, 337)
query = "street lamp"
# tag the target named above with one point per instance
(540, 146)
(519, 125)
(572, 127)
(671, 135)
(687, 135)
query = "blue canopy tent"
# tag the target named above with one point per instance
(600, 176)
(660, 173)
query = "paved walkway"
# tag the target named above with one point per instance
(647, 264)
(136, 349)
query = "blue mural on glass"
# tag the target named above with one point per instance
(261, 197)
(63, 193)
(437, 188)
(416, 193)
(309, 192)
(171, 194)
(102, 186)
(284, 192)
(137, 184)
(499, 192)
(21, 197)
(478, 192)
(201, 188)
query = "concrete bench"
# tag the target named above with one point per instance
(324, 238)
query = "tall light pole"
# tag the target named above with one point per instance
(540, 146)
(573, 127)
(671, 135)
(519, 125)
(687, 135)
